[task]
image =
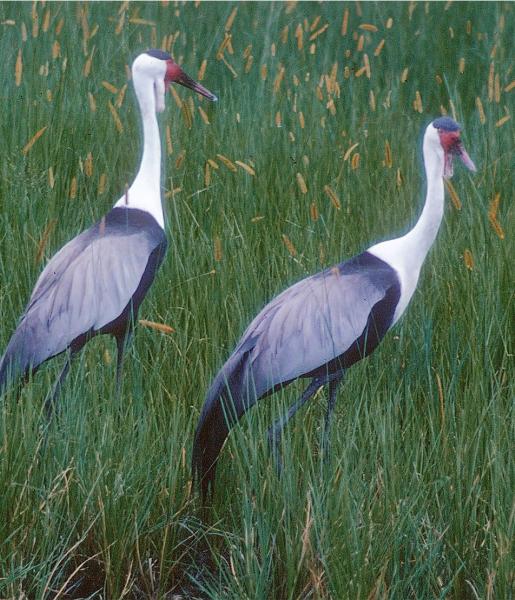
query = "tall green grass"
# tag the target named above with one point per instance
(416, 499)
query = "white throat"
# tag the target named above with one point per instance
(406, 254)
(145, 191)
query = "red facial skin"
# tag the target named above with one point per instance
(173, 72)
(449, 139)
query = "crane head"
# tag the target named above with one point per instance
(449, 136)
(159, 67)
(175, 74)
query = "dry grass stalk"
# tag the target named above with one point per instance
(44, 239)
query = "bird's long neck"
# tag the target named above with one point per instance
(145, 191)
(420, 239)
(406, 254)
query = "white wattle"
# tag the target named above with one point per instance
(145, 191)
(406, 254)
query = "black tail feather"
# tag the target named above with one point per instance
(229, 397)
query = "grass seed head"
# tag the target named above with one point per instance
(33, 140)
(18, 69)
(289, 245)
(468, 259)
(453, 194)
(302, 184)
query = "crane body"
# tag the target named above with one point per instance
(322, 325)
(97, 281)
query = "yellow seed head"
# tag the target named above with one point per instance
(73, 188)
(454, 195)
(491, 75)
(51, 179)
(102, 183)
(289, 245)
(228, 163)
(302, 184)
(379, 48)
(217, 249)
(33, 140)
(202, 70)
(162, 327)
(116, 118)
(502, 120)
(246, 167)
(333, 197)
(482, 117)
(468, 259)
(88, 165)
(345, 21)
(18, 69)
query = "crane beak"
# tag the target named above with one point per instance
(190, 83)
(460, 151)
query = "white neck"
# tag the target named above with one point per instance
(406, 254)
(145, 191)
(423, 234)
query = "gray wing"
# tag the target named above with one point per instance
(85, 286)
(308, 325)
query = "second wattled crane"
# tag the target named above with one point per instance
(97, 281)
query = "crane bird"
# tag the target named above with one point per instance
(97, 281)
(320, 326)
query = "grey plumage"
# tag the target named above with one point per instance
(93, 285)
(316, 328)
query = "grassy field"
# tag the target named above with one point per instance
(323, 105)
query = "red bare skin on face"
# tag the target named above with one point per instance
(448, 139)
(173, 72)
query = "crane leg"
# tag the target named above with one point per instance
(275, 432)
(51, 398)
(121, 343)
(331, 402)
